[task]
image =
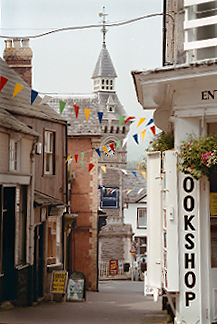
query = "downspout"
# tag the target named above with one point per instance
(67, 199)
(31, 227)
(164, 32)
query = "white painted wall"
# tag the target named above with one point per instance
(130, 217)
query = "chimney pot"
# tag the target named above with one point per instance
(8, 43)
(25, 42)
(16, 43)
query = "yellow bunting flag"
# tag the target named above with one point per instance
(18, 87)
(141, 121)
(105, 149)
(69, 156)
(87, 113)
(128, 191)
(104, 168)
(143, 173)
(143, 134)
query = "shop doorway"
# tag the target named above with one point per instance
(9, 290)
(38, 264)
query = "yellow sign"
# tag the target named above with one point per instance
(58, 282)
(213, 203)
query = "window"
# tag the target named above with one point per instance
(54, 239)
(14, 155)
(49, 154)
(141, 218)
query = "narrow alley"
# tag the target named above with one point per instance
(116, 302)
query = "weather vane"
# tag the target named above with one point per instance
(104, 30)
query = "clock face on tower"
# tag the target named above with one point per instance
(109, 149)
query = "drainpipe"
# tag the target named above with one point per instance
(67, 200)
(32, 156)
(164, 32)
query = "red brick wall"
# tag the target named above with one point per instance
(81, 205)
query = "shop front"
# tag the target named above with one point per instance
(185, 213)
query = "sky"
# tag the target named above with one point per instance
(63, 62)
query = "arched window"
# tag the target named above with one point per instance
(123, 130)
(105, 129)
(117, 130)
(111, 129)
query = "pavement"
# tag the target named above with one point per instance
(117, 302)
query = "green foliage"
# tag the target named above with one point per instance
(162, 142)
(198, 156)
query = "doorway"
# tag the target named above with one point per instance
(9, 283)
(38, 264)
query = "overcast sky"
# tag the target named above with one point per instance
(64, 62)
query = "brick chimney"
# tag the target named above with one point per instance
(19, 58)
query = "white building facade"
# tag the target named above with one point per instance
(182, 233)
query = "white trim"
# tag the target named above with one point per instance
(200, 22)
(188, 3)
(200, 44)
(14, 179)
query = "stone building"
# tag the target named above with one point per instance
(106, 135)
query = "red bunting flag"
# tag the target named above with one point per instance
(110, 191)
(76, 110)
(153, 129)
(3, 82)
(76, 158)
(91, 166)
(112, 147)
(129, 118)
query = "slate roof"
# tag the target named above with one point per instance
(21, 103)
(104, 66)
(10, 122)
(79, 125)
(134, 183)
(96, 102)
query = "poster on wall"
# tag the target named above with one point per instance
(113, 267)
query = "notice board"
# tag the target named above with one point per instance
(59, 281)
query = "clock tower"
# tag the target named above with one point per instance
(113, 236)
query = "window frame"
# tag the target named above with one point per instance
(14, 154)
(49, 152)
(143, 209)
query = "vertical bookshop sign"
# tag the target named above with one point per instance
(59, 281)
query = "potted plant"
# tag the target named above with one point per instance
(198, 156)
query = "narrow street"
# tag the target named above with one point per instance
(116, 302)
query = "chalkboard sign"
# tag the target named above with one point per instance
(59, 281)
(75, 289)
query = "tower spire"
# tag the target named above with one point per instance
(104, 30)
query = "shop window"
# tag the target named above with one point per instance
(14, 162)
(49, 152)
(54, 239)
(141, 218)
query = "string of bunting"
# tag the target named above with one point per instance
(18, 88)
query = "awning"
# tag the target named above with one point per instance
(45, 200)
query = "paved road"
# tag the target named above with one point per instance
(116, 302)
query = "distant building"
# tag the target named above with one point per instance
(89, 191)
